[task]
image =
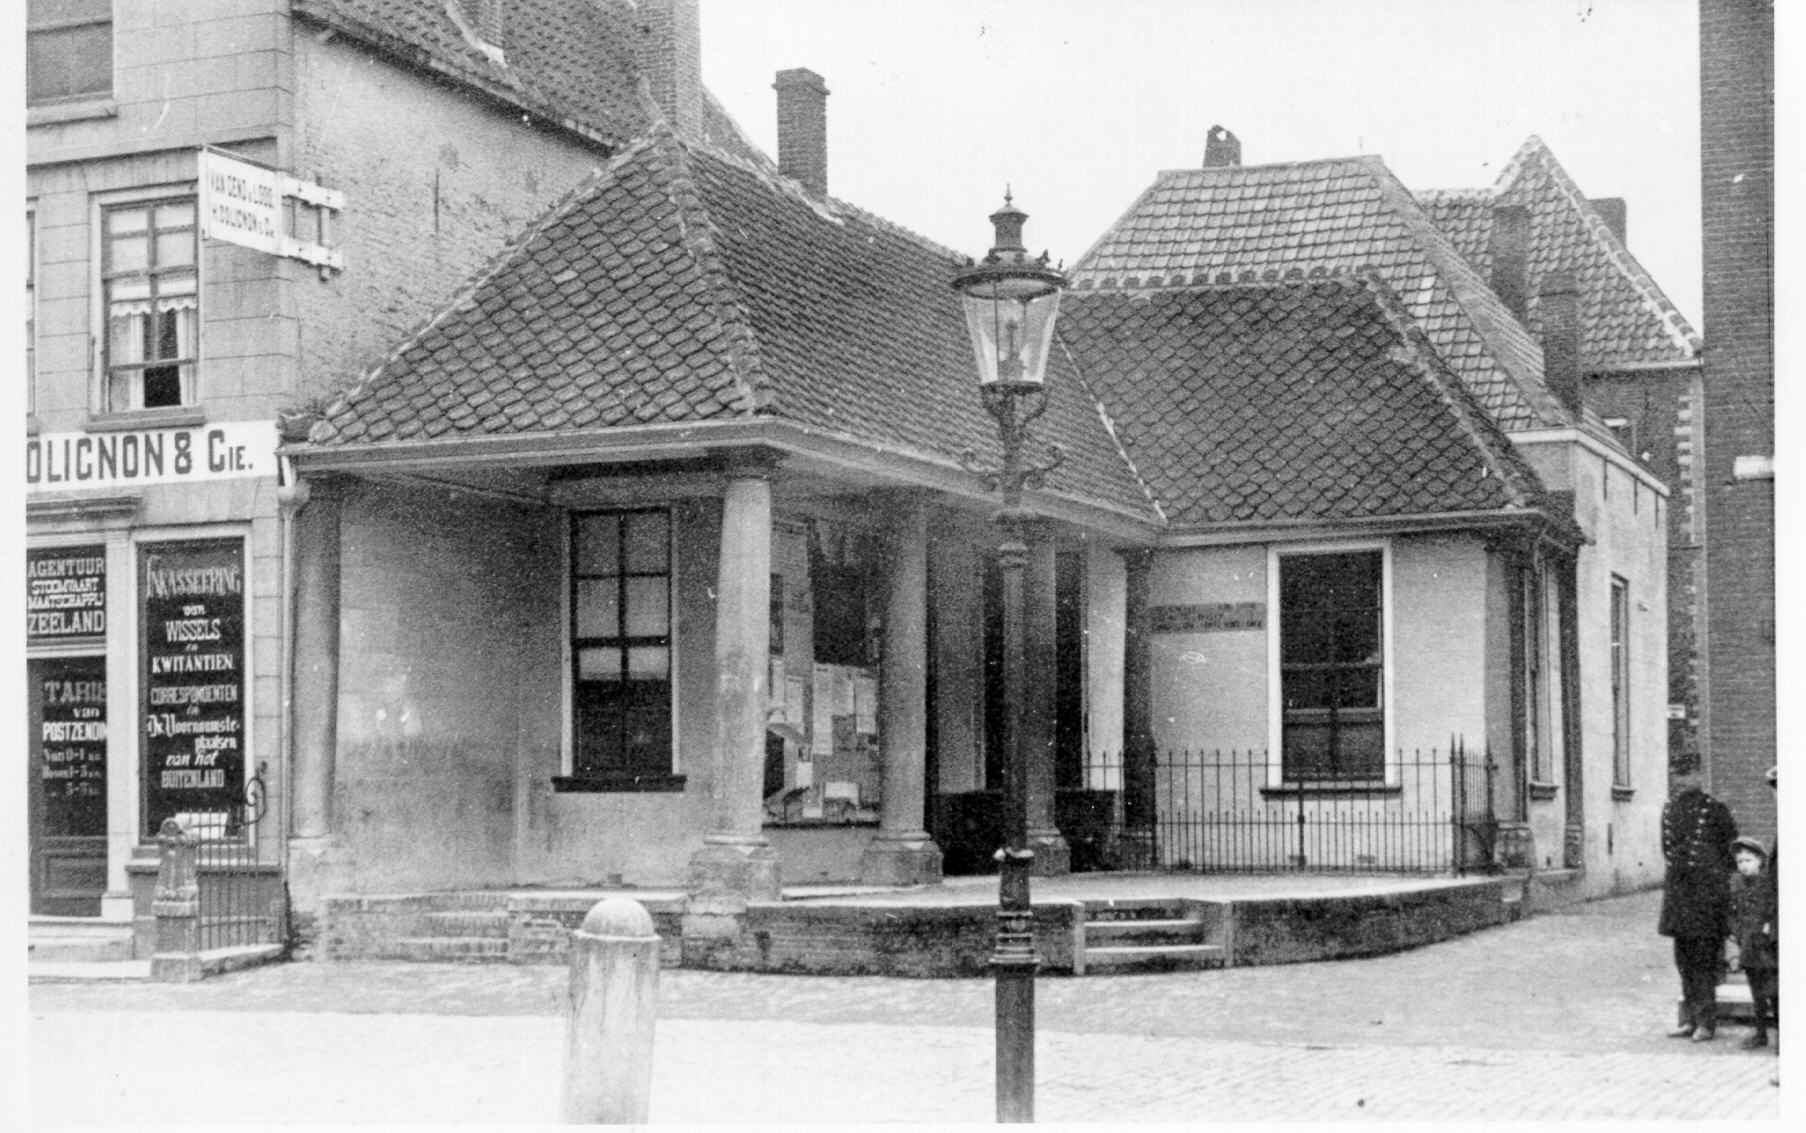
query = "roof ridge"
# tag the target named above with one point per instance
(1230, 170)
(1344, 274)
(1469, 290)
(696, 225)
(1620, 255)
(1419, 356)
(460, 299)
(1532, 147)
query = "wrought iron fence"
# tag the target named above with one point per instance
(1221, 812)
(241, 897)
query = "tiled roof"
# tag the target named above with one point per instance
(570, 62)
(680, 285)
(1298, 400)
(1252, 222)
(1626, 318)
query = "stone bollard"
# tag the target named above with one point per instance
(177, 906)
(610, 1014)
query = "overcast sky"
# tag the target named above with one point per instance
(936, 104)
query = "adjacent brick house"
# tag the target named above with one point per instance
(160, 359)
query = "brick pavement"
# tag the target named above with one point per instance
(1556, 1016)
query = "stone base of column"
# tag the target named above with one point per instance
(909, 860)
(724, 878)
(318, 868)
(1053, 857)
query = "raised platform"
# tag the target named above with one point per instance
(1085, 924)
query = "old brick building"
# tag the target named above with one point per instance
(230, 205)
(1737, 190)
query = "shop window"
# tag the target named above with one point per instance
(1620, 651)
(621, 645)
(1331, 666)
(68, 50)
(152, 300)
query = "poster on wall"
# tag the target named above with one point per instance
(65, 593)
(193, 680)
(71, 725)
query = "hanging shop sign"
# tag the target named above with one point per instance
(65, 593)
(244, 203)
(193, 677)
(59, 462)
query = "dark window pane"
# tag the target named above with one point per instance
(69, 62)
(648, 543)
(598, 545)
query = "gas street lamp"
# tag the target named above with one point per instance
(1010, 302)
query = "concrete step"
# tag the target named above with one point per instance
(444, 949)
(77, 940)
(1103, 933)
(1155, 957)
(1150, 909)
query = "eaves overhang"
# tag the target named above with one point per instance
(800, 447)
(1297, 530)
(1597, 447)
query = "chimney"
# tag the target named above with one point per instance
(1221, 148)
(803, 128)
(1611, 210)
(670, 58)
(1559, 305)
(1510, 248)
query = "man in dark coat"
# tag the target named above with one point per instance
(1697, 831)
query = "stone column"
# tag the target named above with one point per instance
(1052, 856)
(735, 864)
(1138, 800)
(903, 853)
(314, 850)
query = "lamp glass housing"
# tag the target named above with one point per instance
(1011, 321)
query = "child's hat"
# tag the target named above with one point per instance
(1754, 845)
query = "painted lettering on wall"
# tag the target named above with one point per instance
(65, 593)
(229, 450)
(1207, 618)
(193, 676)
(69, 737)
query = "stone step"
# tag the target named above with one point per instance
(1152, 909)
(1155, 957)
(82, 949)
(1186, 931)
(485, 923)
(443, 949)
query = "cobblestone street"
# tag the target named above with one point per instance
(1556, 1017)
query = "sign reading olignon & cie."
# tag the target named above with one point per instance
(65, 593)
(193, 677)
(59, 462)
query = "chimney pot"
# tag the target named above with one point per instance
(1221, 148)
(1558, 303)
(1612, 211)
(1510, 248)
(803, 128)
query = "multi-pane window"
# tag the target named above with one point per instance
(621, 644)
(68, 50)
(1620, 682)
(1331, 666)
(152, 303)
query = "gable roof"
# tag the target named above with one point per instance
(569, 62)
(1221, 223)
(1626, 319)
(1315, 400)
(680, 286)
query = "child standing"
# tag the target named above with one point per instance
(1753, 925)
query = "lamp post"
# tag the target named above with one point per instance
(1010, 302)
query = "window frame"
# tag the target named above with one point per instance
(34, 30)
(1280, 773)
(1618, 646)
(1538, 733)
(31, 310)
(103, 205)
(582, 777)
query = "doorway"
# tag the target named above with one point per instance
(67, 784)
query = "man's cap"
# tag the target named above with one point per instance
(1747, 843)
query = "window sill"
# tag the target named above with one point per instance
(1333, 787)
(1623, 794)
(175, 416)
(80, 110)
(1543, 792)
(616, 784)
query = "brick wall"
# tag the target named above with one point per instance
(1737, 194)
